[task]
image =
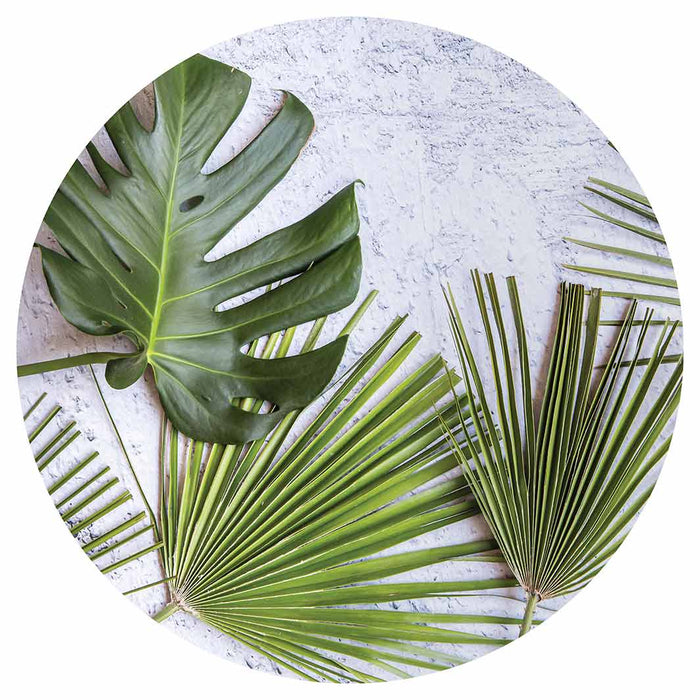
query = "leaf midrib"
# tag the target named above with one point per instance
(169, 201)
(188, 363)
(217, 331)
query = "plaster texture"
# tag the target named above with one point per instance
(468, 160)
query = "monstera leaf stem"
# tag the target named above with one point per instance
(88, 358)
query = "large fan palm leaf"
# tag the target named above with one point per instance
(284, 543)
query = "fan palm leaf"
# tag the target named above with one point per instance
(561, 490)
(283, 544)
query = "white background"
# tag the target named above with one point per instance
(467, 158)
(631, 70)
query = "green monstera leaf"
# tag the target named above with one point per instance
(136, 257)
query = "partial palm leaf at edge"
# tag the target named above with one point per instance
(560, 495)
(281, 545)
(627, 201)
(135, 257)
(87, 498)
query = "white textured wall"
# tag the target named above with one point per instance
(468, 159)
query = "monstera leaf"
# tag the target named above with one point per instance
(136, 257)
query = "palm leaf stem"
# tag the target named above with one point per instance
(151, 514)
(526, 624)
(168, 610)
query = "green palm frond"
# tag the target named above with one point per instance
(90, 500)
(561, 489)
(292, 546)
(637, 205)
